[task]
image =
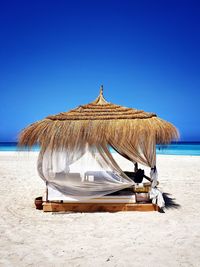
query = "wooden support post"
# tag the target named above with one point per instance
(46, 191)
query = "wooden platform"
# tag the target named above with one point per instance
(97, 207)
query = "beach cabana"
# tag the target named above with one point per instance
(75, 159)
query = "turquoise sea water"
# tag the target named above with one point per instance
(180, 148)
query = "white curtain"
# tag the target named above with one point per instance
(82, 172)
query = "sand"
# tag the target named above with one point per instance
(29, 237)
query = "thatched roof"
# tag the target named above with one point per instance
(98, 122)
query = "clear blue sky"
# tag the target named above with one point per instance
(54, 55)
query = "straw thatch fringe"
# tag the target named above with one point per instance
(69, 133)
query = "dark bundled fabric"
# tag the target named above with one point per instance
(137, 176)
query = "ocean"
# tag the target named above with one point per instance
(178, 148)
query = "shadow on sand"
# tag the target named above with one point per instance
(170, 202)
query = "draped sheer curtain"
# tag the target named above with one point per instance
(141, 152)
(82, 172)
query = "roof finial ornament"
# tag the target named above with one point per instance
(100, 99)
(101, 90)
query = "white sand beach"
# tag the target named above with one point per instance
(29, 237)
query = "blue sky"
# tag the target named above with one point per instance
(54, 55)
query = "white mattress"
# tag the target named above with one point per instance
(54, 195)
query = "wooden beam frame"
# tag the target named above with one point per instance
(97, 207)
